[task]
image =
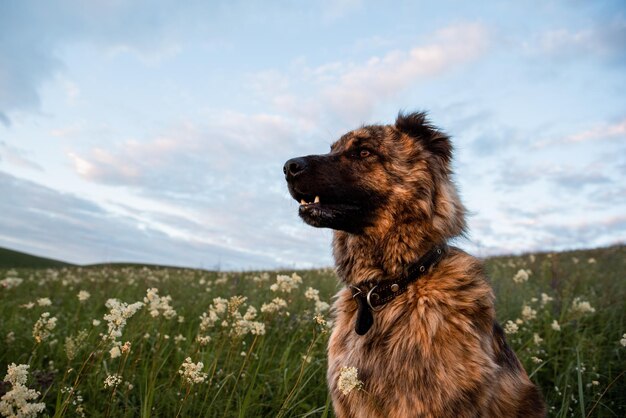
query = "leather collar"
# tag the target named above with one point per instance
(372, 295)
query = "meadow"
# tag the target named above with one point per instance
(130, 341)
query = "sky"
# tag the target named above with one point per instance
(155, 131)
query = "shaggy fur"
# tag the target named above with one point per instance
(436, 350)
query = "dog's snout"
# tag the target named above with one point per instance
(294, 167)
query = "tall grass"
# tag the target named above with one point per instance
(263, 363)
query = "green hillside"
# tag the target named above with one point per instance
(17, 259)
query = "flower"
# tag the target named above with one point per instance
(126, 347)
(555, 325)
(536, 360)
(537, 339)
(286, 284)
(582, 306)
(274, 306)
(510, 327)
(528, 313)
(521, 276)
(43, 327)
(117, 316)
(349, 380)
(115, 352)
(192, 372)
(83, 295)
(313, 294)
(10, 282)
(44, 302)
(112, 380)
(545, 298)
(623, 340)
(159, 304)
(14, 403)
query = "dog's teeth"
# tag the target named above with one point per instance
(302, 202)
(317, 199)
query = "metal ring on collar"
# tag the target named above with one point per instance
(369, 295)
(358, 293)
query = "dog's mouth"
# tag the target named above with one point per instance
(322, 210)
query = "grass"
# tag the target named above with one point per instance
(17, 259)
(273, 363)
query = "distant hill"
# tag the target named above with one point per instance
(17, 259)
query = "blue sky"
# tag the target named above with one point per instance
(155, 131)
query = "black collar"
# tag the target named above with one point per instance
(371, 295)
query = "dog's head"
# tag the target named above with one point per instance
(378, 175)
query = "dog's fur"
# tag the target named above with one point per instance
(436, 350)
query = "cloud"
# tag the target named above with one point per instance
(599, 132)
(36, 217)
(34, 34)
(17, 157)
(604, 40)
(346, 93)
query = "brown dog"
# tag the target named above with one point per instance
(416, 317)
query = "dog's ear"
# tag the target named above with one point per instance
(417, 125)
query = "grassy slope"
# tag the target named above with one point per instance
(17, 259)
(578, 368)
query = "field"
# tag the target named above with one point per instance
(191, 343)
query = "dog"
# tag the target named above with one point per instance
(416, 317)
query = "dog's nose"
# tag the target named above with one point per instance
(294, 167)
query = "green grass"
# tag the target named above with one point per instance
(281, 372)
(17, 259)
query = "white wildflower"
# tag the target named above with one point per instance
(83, 295)
(545, 298)
(95, 322)
(126, 347)
(319, 319)
(591, 261)
(536, 360)
(623, 340)
(115, 352)
(112, 380)
(10, 282)
(159, 304)
(15, 403)
(203, 339)
(274, 306)
(582, 306)
(192, 372)
(555, 325)
(349, 380)
(521, 276)
(528, 313)
(43, 327)
(510, 327)
(10, 338)
(44, 302)
(286, 284)
(219, 305)
(312, 294)
(537, 339)
(117, 316)
(28, 305)
(179, 338)
(250, 313)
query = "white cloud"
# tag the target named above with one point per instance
(351, 91)
(17, 157)
(600, 132)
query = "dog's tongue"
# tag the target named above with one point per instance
(364, 317)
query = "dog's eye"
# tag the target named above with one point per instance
(364, 153)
